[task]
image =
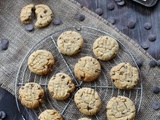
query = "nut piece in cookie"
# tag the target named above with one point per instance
(87, 101)
(44, 15)
(61, 86)
(26, 12)
(31, 95)
(87, 69)
(124, 76)
(50, 114)
(105, 48)
(69, 43)
(120, 108)
(41, 62)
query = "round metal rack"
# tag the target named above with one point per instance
(102, 85)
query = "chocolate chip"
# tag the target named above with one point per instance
(152, 63)
(121, 3)
(56, 21)
(111, 20)
(80, 17)
(155, 105)
(110, 6)
(4, 44)
(155, 89)
(99, 11)
(2, 114)
(139, 62)
(152, 37)
(147, 26)
(158, 62)
(145, 45)
(29, 27)
(131, 23)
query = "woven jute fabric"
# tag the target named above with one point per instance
(21, 41)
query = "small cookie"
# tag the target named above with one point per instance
(105, 48)
(69, 43)
(41, 62)
(26, 12)
(87, 69)
(84, 119)
(124, 76)
(61, 86)
(87, 101)
(31, 95)
(50, 115)
(44, 15)
(120, 108)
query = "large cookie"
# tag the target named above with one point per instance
(87, 101)
(60, 86)
(41, 62)
(120, 108)
(50, 114)
(31, 95)
(69, 42)
(124, 76)
(105, 48)
(87, 69)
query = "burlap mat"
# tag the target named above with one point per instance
(21, 41)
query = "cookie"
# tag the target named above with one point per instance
(50, 114)
(44, 15)
(120, 108)
(61, 86)
(87, 101)
(26, 12)
(41, 62)
(84, 119)
(69, 42)
(87, 69)
(31, 95)
(105, 48)
(124, 76)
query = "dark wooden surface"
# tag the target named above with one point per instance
(132, 10)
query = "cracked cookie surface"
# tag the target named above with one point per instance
(124, 76)
(87, 101)
(87, 69)
(120, 108)
(61, 86)
(105, 48)
(41, 62)
(31, 95)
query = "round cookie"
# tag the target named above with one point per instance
(44, 15)
(105, 48)
(120, 108)
(124, 76)
(31, 95)
(87, 101)
(69, 43)
(84, 119)
(41, 62)
(50, 114)
(26, 12)
(87, 69)
(60, 86)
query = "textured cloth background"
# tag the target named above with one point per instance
(21, 41)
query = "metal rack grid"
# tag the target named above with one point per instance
(65, 64)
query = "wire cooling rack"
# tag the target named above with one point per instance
(102, 85)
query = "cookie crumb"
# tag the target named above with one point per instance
(152, 63)
(152, 37)
(4, 44)
(57, 21)
(80, 17)
(110, 6)
(99, 11)
(147, 26)
(29, 27)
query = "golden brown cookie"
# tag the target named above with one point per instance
(120, 108)
(26, 12)
(41, 62)
(69, 42)
(84, 119)
(44, 15)
(61, 86)
(31, 95)
(105, 48)
(87, 101)
(50, 114)
(87, 69)
(124, 76)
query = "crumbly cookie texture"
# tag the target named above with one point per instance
(26, 12)
(120, 108)
(87, 101)
(50, 114)
(69, 43)
(105, 48)
(31, 95)
(61, 86)
(124, 76)
(87, 69)
(84, 119)
(41, 62)
(44, 15)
